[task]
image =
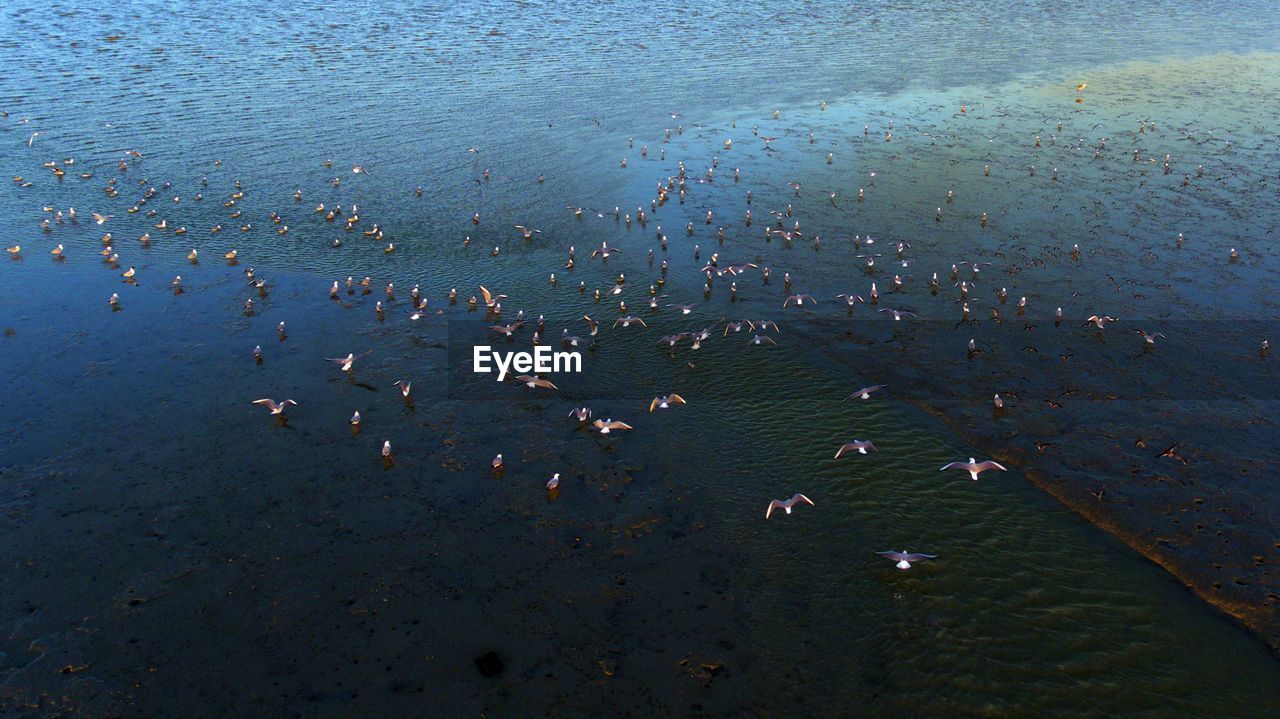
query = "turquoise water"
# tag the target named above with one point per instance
(173, 550)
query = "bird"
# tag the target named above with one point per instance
(1172, 452)
(865, 392)
(554, 482)
(582, 414)
(897, 314)
(100, 218)
(1099, 321)
(858, 445)
(404, 387)
(605, 426)
(627, 321)
(506, 330)
(1149, 338)
(666, 402)
(787, 504)
(355, 419)
(491, 299)
(347, 362)
(531, 382)
(904, 559)
(275, 407)
(974, 468)
(798, 300)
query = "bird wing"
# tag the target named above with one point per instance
(918, 557)
(990, 465)
(676, 399)
(653, 404)
(802, 498)
(488, 298)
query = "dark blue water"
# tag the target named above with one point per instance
(172, 550)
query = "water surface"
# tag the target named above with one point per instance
(174, 551)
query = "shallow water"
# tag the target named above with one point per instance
(175, 551)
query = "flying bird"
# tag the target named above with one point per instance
(271, 404)
(787, 504)
(666, 402)
(974, 468)
(1099, 321)
(531, 382)
(1150, 338)
(904, 559)
(347, 362)
(857, 445)
(865, 392)
(605, 426)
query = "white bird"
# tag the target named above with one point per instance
(347, 362)
(554, 482)
(865, 392)
(532, 382)
(1099, 321)
(787, 504)
(275, 407)
(861, 446)
(666, 402)
(355, 418)
(974, 467)
(898, 314)
(386, 448)
(904, 559)
(605, 426)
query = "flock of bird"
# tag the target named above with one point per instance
(146, 199)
